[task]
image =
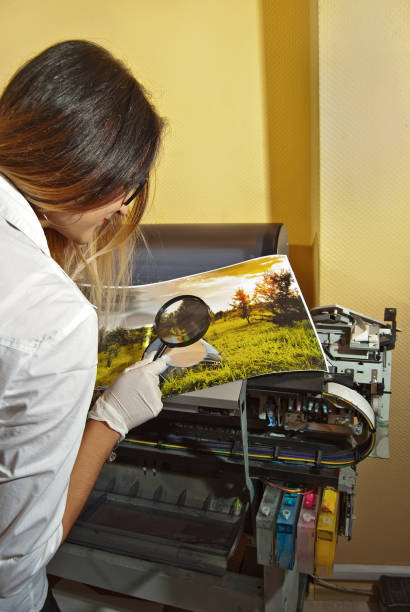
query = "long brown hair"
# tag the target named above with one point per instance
(77, 131)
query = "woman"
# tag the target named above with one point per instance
(78, 138)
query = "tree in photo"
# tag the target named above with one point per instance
(276, 294)
(242, 301)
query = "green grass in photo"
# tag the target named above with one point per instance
(110, 365)
(250, 350)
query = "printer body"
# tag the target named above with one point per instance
(219, 481)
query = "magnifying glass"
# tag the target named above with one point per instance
(181, 322)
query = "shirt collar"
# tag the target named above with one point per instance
(17, 211)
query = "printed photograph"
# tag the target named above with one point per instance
(228, 324)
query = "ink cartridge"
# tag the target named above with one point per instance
(286, 530)
(326, 532)
(266, 526)
(306, 533)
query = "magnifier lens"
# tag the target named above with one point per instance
(182, 321)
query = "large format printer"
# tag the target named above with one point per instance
(188, 512)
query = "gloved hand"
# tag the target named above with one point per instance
(133, 398)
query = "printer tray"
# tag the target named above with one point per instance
(157, 531)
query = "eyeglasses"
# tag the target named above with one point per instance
(135, 193)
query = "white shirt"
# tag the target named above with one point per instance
(48, 359)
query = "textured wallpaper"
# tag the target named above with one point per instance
(364, 104)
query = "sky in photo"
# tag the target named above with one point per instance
(216, 288)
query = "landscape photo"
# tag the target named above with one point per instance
(258, 324)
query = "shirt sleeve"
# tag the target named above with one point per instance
(46, 389)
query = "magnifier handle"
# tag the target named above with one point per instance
(160, 351)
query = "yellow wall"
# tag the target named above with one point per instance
(364, 71)
(286, 60)
(202, 62)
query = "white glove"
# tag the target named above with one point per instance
(133, 398)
